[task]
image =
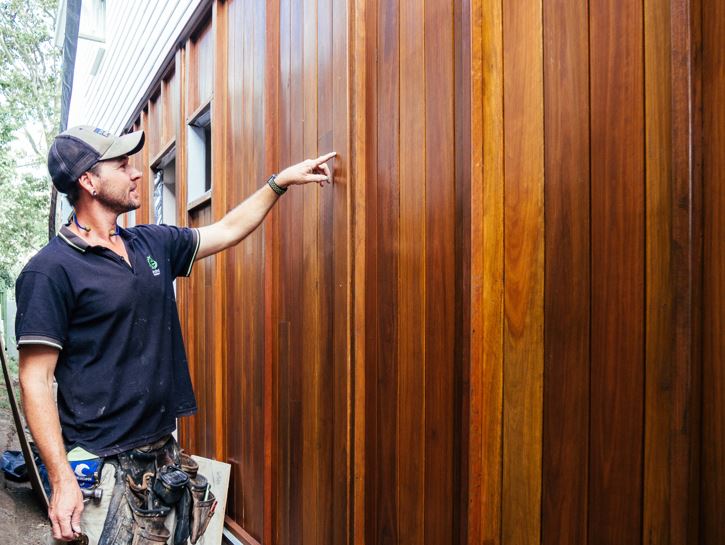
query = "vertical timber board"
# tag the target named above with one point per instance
(340, 280)
(686, 208)
(460, 368)
(357, 208)
(387, 244)
(234, 368)
(487, 273)
(282, 502)
(142, 214)
(370, 235)
(183, 287)
(311, 308)
(617, 226)
(325, 247)
(411, 448)
(219, 208)
(567, 284)
(440, 497)
(272, 355)
(524, 266)
(713, 411)
(659, 343)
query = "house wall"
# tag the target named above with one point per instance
(500, 324)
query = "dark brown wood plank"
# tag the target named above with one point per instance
(567, 289)
(524, 271)
(617, 224)
(439, 272)
(658, 491)
(411, 447)
(713, 376)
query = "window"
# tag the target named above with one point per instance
(199, 163)
(165, 190)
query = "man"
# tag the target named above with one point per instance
(96, 309)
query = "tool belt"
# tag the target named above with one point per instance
(150, 482)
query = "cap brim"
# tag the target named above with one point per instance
(128, 144)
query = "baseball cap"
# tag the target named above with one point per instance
(76, 150)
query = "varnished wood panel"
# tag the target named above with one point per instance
(617, 246)
(245, 271)
(411, 469)
(713, 377)
(440, 409)
(487, 274)
(567, 274)
(660, 334)
(200, 75)
(405, 356)
(200, 355)
(524, 278)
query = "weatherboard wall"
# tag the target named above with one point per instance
(500, 323)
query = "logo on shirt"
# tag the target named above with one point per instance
(154, 266)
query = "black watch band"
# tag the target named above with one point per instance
(277, 189)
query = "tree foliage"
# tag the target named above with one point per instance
(29, 119)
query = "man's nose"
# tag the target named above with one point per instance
(135, 174)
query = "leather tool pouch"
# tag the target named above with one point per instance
(203, 504)
(150, 482)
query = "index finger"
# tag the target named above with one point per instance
(324, 158)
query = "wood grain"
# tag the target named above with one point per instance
(524, 264)
(411, 466)
(659, 360)
(617, 224)
(567, 271)
(440, 498)
(713, 377)
(487, 274)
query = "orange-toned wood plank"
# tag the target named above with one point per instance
(524, 266)
(357, 201)
(219, 159)
(617, 226)
(567, 291)
(144, 214)
(440, 499)
(411, 447)
(272, 376)
(487, 273)
(713, 376)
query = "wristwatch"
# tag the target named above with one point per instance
(277, 189)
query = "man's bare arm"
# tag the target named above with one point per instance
(37, 365)
(246, 217)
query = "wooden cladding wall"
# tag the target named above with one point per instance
(500, 324)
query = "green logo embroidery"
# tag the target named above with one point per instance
(154, 266)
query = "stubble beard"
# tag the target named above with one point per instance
(119, 203)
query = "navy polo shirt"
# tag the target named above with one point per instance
(122, 372)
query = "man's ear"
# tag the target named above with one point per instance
(86, 182)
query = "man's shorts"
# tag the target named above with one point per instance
(94, 514)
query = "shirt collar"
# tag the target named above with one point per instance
(73, 240)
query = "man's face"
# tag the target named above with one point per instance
(118, 188)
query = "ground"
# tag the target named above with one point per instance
(22, 520)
